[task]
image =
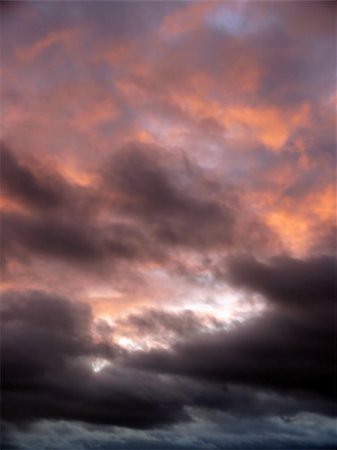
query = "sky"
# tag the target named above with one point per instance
(168, 225)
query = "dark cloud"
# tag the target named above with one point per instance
(159, 191)
(7, 6)
(41, 310)
(69, 240)
(287, 281)
(151, 202)
(8, 440)
(48, 345)
(165, 327)
(274, 353)
(40, 334)
(178, 202)
(74, 240)
(20, 182)
(61, 221)
(217, 431)
(289, 349)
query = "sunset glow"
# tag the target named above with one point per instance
(168, 229)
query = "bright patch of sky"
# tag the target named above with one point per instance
(233, 19)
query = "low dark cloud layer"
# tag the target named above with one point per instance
(289, 282)
(290, 349)
(40, 336)
(49, 343)
(47, 350)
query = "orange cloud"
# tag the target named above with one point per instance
(67, 38)
(271, 125)
(95, 113)
(11, 205)
(295, 220)
(74, 175)
(186, 19)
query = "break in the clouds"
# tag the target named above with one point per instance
(168, 237)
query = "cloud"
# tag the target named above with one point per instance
(20, 182)
(47, 349)
(49, 344)
(289, 349)
(289, 282)
(55, 219)
(64, 239)
(145, 205)
(158, 321)
(157, 158)
(307, 431)
(159, 328)
(179, 203)
(158, 190)
(40, 335)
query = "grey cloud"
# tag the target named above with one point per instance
(21, 182)
(288, 349)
